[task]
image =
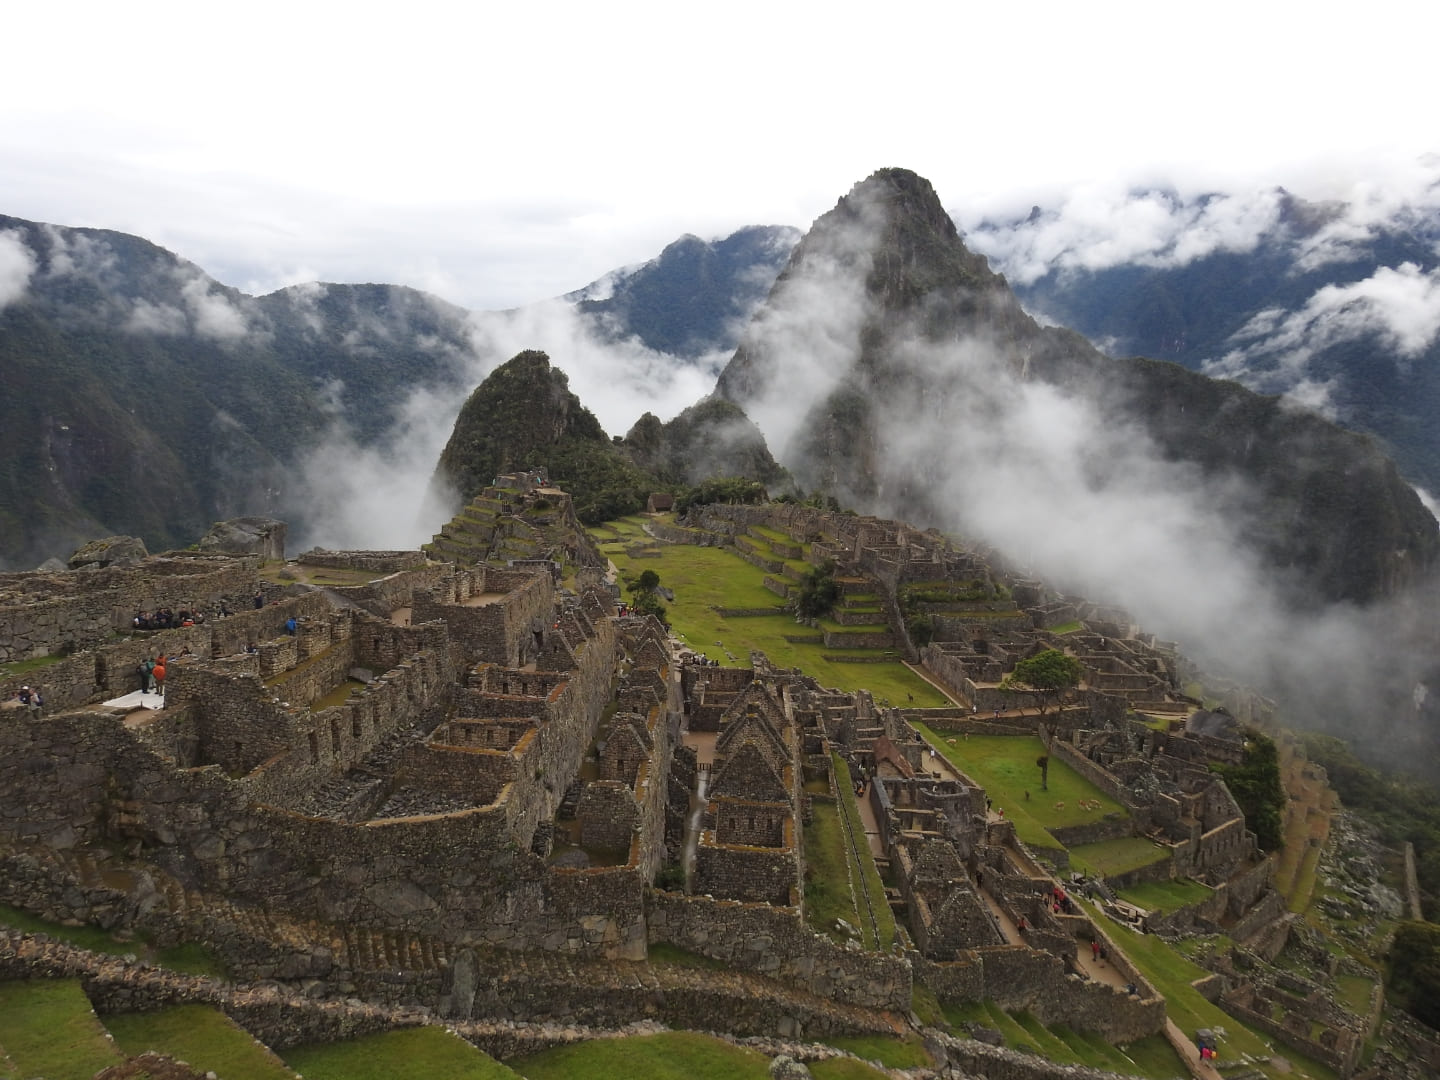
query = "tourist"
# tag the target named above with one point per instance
(259, 599)
(290, 626)
(1094, 949)
(158, 671)
(24, 695)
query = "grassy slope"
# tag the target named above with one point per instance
(48, 1029)
(422, 1052)
(1004, 765)
(706, 578)
(866, 874)
(203, 1036)
(1172, 975)
(827, 890)
(673, 1055)
(1165, 895)
(1111, 857)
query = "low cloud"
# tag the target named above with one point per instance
(616, 380)
(17, 263)
(1398, 307)
(1078, 493)
(1098, 228)
(377, 493)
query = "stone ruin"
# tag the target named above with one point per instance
(462, 761)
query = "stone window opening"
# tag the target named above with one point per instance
(314, 747)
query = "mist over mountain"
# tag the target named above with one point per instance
(146, 398)
(1334, 304)
(892, 368)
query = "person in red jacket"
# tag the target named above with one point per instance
(159, 674)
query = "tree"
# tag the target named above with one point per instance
(818, 591)
(1258, 789)
(1415, 969)
(1050, 672)
(644, 600)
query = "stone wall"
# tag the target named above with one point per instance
(392, 592)
(765, 875)
(1018, 978)
(503, 632)
(48, 614)
(776, 942)
(375, 562)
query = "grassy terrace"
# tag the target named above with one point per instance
(1109, 858)
(679, 1055)
(203, 1036)
(1172, 975)
(1152, 1056)
(1165, 896)
(190, 958)
(418, 1052)
(879, 933)
(705, 578)
(1004, 765)
(48, 1029)
(827, 882)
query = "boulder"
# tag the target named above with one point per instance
(246, 536)
(785, 1067)
(111, 551)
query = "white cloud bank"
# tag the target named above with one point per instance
(17, 263)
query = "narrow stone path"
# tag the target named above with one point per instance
(1190, 1053)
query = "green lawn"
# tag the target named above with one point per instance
(203, 1036)
(1165, 896)
(1004, 765)
(894, 1053)
(48, 1029)
(845, 1069)
(1152, 1056)
(865, 873)
(1112, 857)
(406, 1052)
(1172, 975)
(827, 888)
(704, 578)
(673, 1055)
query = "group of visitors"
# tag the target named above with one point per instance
(29, 698)
(167, 619)
(152, 672)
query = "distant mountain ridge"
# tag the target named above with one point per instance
(1335, 304)
(146, 398)
(694, 299)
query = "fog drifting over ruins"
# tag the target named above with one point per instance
(374, 494)
(1088, 503)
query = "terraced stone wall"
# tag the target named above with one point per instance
(775, 941)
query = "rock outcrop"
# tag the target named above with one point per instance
(110, 551)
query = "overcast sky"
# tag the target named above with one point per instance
(497, 154)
